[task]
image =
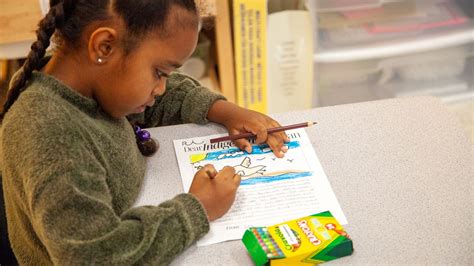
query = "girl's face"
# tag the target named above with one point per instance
(131, 82)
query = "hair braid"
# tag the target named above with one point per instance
(46, 28)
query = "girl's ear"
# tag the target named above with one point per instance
(102, 44)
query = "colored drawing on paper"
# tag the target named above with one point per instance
(260, 166)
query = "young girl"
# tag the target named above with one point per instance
(69, 158)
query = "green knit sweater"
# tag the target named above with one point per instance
(71, 174)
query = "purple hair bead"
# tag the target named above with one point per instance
(143, 135)
(137, 129)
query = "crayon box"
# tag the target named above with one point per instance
(309, 240)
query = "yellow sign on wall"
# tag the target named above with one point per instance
(250, 53)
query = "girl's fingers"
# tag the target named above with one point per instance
(281, 135)
(237, 179)
(227, 172)
(208, 170)
(262, 135)
(277, 140)
(277, 146)
(244, 145)
(258, 129)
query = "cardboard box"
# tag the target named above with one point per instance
(309, 240)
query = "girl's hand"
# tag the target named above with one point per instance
(215, 190)
(240, 120)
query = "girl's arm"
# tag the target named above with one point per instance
(184, 101)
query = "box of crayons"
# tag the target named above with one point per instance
(309, 240)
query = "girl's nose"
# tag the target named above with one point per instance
(160, 89)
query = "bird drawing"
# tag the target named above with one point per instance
(245, 170)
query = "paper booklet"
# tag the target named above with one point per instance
(272, 190)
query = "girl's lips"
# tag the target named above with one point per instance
(140, 109)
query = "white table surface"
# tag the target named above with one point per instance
(402, 170)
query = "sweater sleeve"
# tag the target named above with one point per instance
(184, 101)
(63, 189)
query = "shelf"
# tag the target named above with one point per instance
(14, 50)
(462, 96)
(19, 19)
(403, 46)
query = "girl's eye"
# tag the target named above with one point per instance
(160, 74)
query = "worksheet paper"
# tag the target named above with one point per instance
(272, 189)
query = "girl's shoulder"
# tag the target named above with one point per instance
(36, 106)
(45, 108)
(177, 79)
(46, 99)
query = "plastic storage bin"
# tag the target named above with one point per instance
(343, 5)
(391, 20)
(438, 72)
(366, 50)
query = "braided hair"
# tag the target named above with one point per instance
(67, 19)
(47, 26)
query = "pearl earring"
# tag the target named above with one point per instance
(100, 60)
